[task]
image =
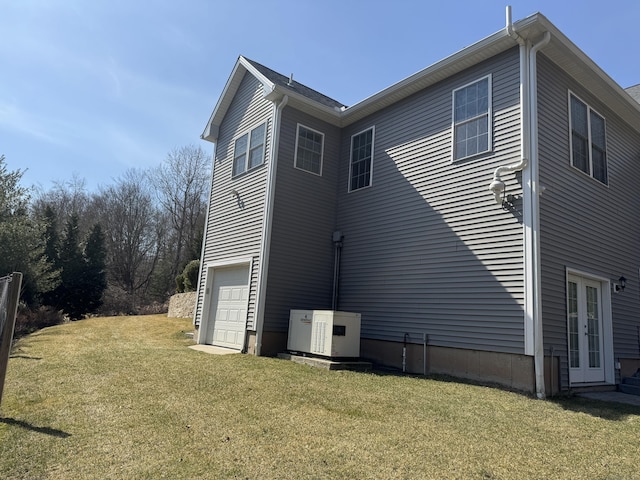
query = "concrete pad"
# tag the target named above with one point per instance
(618, 397)
(327, 363)
(212, 349)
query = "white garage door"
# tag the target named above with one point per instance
(228, 311)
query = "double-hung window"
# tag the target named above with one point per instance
(248, 150)
(361, 164)
(309, 149)
(471, 119)
(588, 140)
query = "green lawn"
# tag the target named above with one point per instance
(124, 398)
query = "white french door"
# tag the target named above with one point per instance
(585, 327)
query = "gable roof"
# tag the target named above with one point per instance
(290, 84)
(275, 86)
(634, 92)
(560, 50)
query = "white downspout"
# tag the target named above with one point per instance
(538, 354)
(531, 218)
(267, 222)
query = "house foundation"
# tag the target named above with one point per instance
(507, 369)
(629, 366)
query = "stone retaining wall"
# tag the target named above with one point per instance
(182, 305)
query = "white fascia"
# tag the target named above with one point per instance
(242, 65)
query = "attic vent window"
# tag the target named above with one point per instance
(588, 140)
(471, 119)
(248, 151)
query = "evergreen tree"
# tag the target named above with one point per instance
(70, 292)
(95, 274)
(21, 249)
(51, 240)
(83, 271)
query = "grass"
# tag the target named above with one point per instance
(123, 398)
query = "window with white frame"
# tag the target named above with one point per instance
(248, 151)
(588, 140)
(360, 167)
(471, 119)
(309, 150)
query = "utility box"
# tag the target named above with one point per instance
(327, 333)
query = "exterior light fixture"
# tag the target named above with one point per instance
(623, 283)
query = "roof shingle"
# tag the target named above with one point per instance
(297, 87)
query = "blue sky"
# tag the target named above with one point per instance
(92, 88)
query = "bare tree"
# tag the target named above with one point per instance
(133, 231)
(181, 184)
(66, 198)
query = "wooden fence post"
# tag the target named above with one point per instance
(10, 322)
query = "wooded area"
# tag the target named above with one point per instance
(117, 250)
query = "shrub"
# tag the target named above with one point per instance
(190, 275)
(28, 320)
(117, 302)
(153, 308)
(180, 283)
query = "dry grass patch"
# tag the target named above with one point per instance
(123, 397)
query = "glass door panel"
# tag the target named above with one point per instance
(584, 330)
(572, 305)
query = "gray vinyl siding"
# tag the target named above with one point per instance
(234, 226)
(301, 258)
(586, 225)
(426, 247)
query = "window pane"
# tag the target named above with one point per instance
(579, 117)
(309, 153)
(460, 101)
(239, 155)
(598, 148)
(256, 156)
(238, 165)
(599, 161)
(597, 130)
(257, 136)
(593, 327)
(483, 94)
(241, 146)
(588, 140)
(580, 152)
(361, 151)
(579, 135)
(256, 152)
(574, 349)
(471, 117)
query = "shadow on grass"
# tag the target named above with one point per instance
(597, 408)
(27, 357)
(28, 426)
(444, 378)
(607, 410)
